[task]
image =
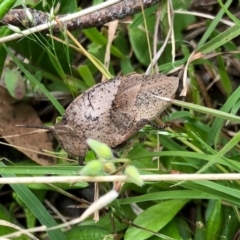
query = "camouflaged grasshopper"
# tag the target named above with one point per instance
(112, 111)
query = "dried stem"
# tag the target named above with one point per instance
(121, 178)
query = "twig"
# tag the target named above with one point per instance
(87, 18)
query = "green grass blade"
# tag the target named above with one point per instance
(220, 40)
(175, 194)
(206, 110)
(213, 24)
(231, 16)
(43, 170)
(214, 132)
(5, 6)
(226, 193)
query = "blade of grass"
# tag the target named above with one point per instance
(235, 20)
(190, 156)
(5, 6)
(226, 148)
(216, 189)
(43, 170)
(175, 194)
(205, 110)
(213, 24)
(220, 40)
(217, 124)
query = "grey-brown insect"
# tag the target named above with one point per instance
(111, 112)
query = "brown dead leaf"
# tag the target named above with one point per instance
(13, 113)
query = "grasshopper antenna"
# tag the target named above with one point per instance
(35, 126)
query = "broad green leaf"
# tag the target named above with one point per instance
(140, 48)
(154, 218)
(15, 83)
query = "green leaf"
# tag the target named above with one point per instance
(140, 48)
(139, 17)
(183, 228)
(169, 230)
(68, 6)
(5, 6)
(154, 218)
(214, 219)
(15, 84)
